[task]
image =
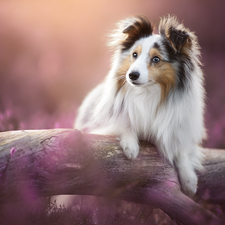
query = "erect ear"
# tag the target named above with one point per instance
(130, 30)
(176, 33)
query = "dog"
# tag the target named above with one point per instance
(153, 92)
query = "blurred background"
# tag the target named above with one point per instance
(52, 53)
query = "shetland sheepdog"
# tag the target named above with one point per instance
(153, 92)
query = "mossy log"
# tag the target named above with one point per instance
(36, 163)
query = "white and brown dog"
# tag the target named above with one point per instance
(154, 92)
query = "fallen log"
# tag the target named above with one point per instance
(40, 163)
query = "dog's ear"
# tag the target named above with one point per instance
(130, 30)
(179, 36)
(140, 28)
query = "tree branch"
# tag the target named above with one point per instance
(62, 161)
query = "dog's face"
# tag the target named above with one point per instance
(149, 63)
(147, 59)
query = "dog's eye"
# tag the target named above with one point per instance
(135, 55)
(155, 59)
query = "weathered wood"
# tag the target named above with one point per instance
(62, 161)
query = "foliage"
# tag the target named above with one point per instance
(84, 210)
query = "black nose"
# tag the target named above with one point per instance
(134, 75)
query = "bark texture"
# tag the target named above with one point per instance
(63, 161)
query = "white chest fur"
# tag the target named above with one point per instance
(141, 108)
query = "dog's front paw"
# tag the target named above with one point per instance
(189, 182)
(130, 148)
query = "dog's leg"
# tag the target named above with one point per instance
(129, 143)
(186, 170)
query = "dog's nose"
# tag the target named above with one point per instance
(134, 75)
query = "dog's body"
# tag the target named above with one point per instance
(153, 92)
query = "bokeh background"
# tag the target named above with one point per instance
(52, 53)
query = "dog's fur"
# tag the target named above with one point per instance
(154, 91)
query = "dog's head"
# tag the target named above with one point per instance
(167, 59)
